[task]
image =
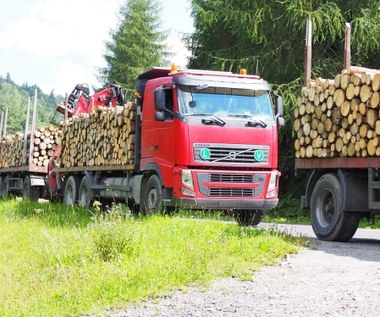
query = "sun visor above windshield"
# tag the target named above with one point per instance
(222, 81)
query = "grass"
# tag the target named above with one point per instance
(63, 261)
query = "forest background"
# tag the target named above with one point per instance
(262, 36)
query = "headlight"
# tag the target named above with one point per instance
(272, 186)
(187, 179)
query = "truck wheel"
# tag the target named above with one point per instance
(29, 191)
(85, 192)
(328, 219)
(248, 217)
(152, 196)
(70, 195)
(1, 187)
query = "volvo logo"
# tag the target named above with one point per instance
(232, 155)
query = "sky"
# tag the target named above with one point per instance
(57, 44)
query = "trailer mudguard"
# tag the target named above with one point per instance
(355, 189)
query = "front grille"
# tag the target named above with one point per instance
(231, 178)
(217, 185)
(231, 154)
(231, 192)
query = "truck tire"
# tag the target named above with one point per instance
(85, 195)
(248, 217)
(328, 219)
(70, 195)
(29, 191)
(152, 196)
(1, 186)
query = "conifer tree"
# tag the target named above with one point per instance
(136, 45)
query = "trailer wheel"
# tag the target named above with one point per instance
(152, 196)
(85, 192)
(70, 195)
(29, 191)
(328, 219)
(248, 217)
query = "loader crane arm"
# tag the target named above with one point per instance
(80, 101)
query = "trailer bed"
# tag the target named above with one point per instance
(103, 168)
(27, 168)
(338, 162)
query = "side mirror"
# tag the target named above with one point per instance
(279, 106)
(159, 99)
(160, 115)
(280, 111)
(280, 121)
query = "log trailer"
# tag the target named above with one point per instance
(344, 181)
(28, 177)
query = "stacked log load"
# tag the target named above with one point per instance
(45, 141)
(339, 117)
(104, 137)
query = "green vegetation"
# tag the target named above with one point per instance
(15, 98)
(136, 45)
(59, 261)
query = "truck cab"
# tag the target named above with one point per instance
(209, 140)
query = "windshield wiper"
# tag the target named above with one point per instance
(213, 120)
(255, 123)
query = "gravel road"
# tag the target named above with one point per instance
(324, 279)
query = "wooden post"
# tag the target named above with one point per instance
(34, 117)
(347, 47)
(308, 50)
(1, 125)
(66, 110)
(26, 133)
(5, 121)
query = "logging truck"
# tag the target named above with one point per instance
(337, 127)
(192, 139)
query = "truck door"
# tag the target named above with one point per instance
(158, 137)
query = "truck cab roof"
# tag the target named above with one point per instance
(193, 77)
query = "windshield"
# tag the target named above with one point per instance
(225, 102)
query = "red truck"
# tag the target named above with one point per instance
(204, 140)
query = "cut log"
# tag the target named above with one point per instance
(376, 82)
(345, 108)
(339, 97)
(365, 93)
(374, 100)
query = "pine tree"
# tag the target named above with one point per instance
(136, 45)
